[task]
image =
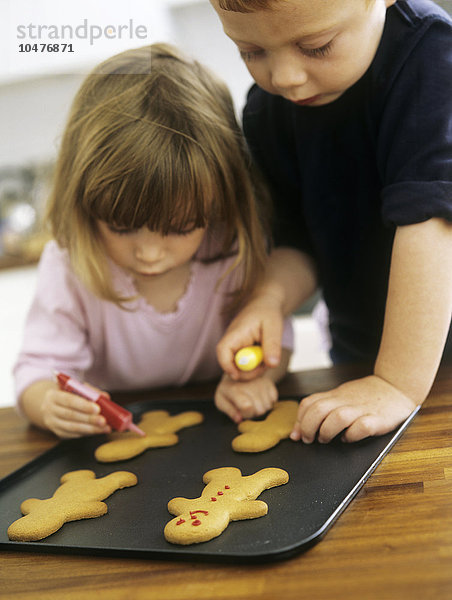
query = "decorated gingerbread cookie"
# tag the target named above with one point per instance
(228, 496)
(160, 429)
(257, 436)
(79, 497)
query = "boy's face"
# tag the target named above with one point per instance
(308, 51)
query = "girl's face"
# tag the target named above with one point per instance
(308, 51)
(147, 254)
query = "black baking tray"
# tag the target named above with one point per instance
(323, 480)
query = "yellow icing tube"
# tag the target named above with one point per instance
(249, 358)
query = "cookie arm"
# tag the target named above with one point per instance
(255, 442)
(33, 527)
(124, 449)
(48, 517)
(116, 481)
(185, 419)
(232, 473)
(247, 426)
(248, 509)
(271, 477)
(177, 506)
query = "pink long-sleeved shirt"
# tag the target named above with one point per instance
(70, 329)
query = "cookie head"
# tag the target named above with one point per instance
(196, 526)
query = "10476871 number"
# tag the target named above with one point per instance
(46, 48)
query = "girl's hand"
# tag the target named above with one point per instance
(364, 407)
(245, 399)
(70, 416)
(260, 322)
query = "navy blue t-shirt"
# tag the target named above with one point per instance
(344, 175)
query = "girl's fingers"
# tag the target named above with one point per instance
(64, 424)
(255, 398)
(268, 399)
(232, 341)
(96, 389)
(267, 332)
(272, 331)
(71, 429)
(73, 402)
(224, 404)
(250, 375)
(72, 416)
(75, 416)
(246, 407)
(245, 400)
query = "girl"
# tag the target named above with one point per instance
(157, 241)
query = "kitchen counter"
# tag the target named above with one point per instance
(394, 541)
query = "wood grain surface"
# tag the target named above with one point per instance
(393, 542)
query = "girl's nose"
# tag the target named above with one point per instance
(288, 73)
(149, 247)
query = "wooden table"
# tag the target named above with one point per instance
(393, 542)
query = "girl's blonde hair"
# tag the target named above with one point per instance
(152, 140)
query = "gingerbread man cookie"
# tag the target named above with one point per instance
(79, 497)
(160, 431)
(257, 436)
(228, 496)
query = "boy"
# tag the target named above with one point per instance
(351, 124)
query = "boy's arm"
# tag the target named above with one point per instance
(290, 280)
(418, 309)
(417, 320)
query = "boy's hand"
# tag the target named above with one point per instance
(70, 416)
(260, 322)
(245, 399)
(364, 407)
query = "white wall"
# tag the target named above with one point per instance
(95, 28)
(37, 88)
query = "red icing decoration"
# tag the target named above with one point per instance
(220, 494)
(226, 487)
(197, 522)
(213, 499)
(180, 521)
(193, 512)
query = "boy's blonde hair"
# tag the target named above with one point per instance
(246, 6)
(152, 140)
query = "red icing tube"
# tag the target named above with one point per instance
(116, 416)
